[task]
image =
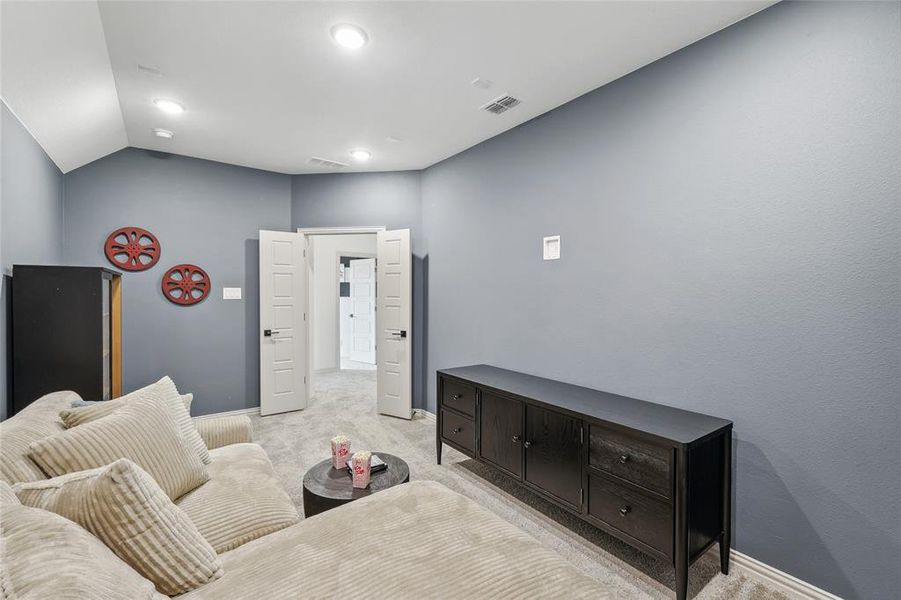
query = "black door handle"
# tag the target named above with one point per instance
(403, 333)
(268, 332)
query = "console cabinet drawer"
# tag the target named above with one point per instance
(637, 461)
(458, 430)
(639, 515)
(459, 396)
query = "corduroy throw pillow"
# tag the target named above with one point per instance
(165, 391)
(128, 511)
(48, 556)
(143, 431)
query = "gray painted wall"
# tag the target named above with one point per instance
(730, 244)
(360, 199)
(205, 213)
(31, 217)
(731, 222)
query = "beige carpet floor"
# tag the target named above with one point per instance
(344, 402)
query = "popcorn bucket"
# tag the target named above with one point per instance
(361, 464)
(340, 451)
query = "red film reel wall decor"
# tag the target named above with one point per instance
(185, 284)
(132, 249)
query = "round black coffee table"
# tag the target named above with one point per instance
(325, 487)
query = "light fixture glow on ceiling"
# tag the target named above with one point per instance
(361, 155)
(163, 133)
(170, 106)
(349, 36)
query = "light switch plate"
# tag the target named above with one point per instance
(231, 293)
(551, 247)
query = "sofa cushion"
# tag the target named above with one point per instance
(48, 556)
(7, 495)
(422, 540)
(242, 501)
(128, 511)
(164, 391)
(38, 420)
(143, 432)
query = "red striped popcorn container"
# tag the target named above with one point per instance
(340, 451)
(361, 465)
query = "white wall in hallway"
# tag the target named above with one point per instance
(325, 250)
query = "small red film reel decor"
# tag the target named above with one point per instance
(132, 249)
(185, 284)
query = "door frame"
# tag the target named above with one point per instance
(307, 232)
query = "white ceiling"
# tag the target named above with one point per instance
(265, 86)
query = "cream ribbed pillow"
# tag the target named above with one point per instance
(125, 508)
(165, 390)
(47, 556)
(143, 431)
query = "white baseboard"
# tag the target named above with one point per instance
(428, 416)
(773, 577)
(231, 413)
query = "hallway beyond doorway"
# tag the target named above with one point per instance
(352, 365)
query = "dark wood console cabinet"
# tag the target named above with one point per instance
(657, 477)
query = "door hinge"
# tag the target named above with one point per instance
(304, 316)
(305, 253)
(582, 434)
(581, 496)
(304, 378)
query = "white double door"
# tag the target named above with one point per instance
(284, 329)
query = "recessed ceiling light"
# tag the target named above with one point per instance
(163, 133)
(361, 155)
(169, 106)
(349, 36)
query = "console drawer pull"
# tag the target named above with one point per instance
(457, 430)
(624, 458)
(625, 510)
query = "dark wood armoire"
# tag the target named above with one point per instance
(66, 333)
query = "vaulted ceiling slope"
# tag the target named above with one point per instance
(264, 85)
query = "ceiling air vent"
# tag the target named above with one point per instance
(501, 104)
(324, 162)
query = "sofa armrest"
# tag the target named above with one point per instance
(223, 431)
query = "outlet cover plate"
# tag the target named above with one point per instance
(551, 247)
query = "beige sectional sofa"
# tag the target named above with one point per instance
(415, 540)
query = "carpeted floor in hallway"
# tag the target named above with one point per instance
(344, 402)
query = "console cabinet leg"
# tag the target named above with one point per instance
(682, 580)
(724, 555)
(680, 556)
(726, 538)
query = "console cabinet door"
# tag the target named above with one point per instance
(500, 432)
(553, 443)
